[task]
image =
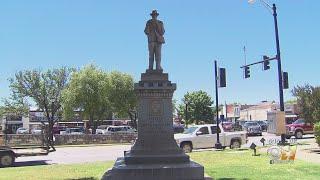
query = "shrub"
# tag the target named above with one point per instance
(317, 132)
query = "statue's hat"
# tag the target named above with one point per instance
(154, 12)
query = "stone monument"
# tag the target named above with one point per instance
(155, 155)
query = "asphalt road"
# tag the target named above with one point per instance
(70, 155)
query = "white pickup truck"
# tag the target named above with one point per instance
(205, 136)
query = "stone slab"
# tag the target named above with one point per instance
(179, 171)
(151, 159)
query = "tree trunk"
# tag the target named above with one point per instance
(50, 134)
(94, 128)
(91, 124)
(133, 119)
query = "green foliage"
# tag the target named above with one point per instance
(308, 100)
(88, 93)
(317, 132)
(42, 88)
(199, 107)
(98, 94)
(121, 93)
(16, 106)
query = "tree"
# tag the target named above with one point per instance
(14, 105)
(199, 107)
(122, 96)
(88, 92)
(42, 88)
(308, 101)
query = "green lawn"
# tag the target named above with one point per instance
(220, 165)
(44, 172)
(242, 165)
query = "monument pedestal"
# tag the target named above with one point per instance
(178, 171)
(155, 154)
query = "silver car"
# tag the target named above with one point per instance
(22, 130)
(253, 128)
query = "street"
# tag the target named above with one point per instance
(71, 155)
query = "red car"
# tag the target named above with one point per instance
(299, 128)
(227, 126)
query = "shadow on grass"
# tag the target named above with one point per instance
(309, 137)
(84, 178)
(317, 151)
(242, 149)
(30, 163)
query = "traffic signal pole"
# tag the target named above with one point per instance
(274, 8)
(218, 144)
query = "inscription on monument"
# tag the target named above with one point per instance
(156, 108)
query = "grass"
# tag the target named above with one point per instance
(242, 165)
(85, 171)
(220, 165)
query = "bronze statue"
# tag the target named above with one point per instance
(154, 30)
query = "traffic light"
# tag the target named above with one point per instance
(266, 63)
(285, 80)
(222, 77)
(246, 72)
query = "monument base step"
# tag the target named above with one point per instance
(178, 171)
(152, 159)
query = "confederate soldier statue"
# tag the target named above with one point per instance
(154, 30)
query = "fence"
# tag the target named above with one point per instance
(30, 139)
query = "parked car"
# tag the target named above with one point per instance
(36, 131)
(78, 130)
(204, 136)
(299, 128)
(111, 129)
(58, 129)
(178, 128)
(241, 123)
(253, 128)
(101, 129)
(237, 126)
(227, 126)
(22, 130)
(263, 125)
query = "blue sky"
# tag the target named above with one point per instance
(47, 34)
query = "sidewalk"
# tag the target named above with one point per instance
(309, 152)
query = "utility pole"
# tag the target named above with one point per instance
(274, 8)
(186, 113)
(225, 104)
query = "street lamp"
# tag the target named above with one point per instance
(278, 57)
